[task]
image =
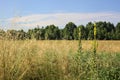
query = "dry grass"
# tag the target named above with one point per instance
(55, 60)
(109, 46)
(72, 46)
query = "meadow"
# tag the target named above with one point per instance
(59, 60)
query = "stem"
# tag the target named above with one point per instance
(80, 45)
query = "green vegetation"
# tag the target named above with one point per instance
(22, 59)
(55, 60)
(105, 31)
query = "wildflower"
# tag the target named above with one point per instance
(95, 43)
(95, 29)
(79, 32)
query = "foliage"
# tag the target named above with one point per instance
(69, 30)
(118, 31)
(52, 32)
(31, 62)
(105, 31)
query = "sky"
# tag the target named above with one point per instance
(26, 14)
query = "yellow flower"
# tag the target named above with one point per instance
(95, 29)
(79, 32)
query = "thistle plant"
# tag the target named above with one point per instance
(80, 45)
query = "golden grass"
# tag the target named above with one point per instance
(65, 46)
(20, 60)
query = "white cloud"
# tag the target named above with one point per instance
(59, 19)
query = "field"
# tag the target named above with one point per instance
(59, 60)
(66, 46)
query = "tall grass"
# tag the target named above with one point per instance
(55, 60)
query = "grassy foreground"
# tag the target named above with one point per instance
(59, 60)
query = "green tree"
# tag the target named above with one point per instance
(2, 34)
(21, 35)
(30, 34)
(52, 32)
(11, 34)
(83, 32)
(61, 33)
(36, 33)
(101, 30)
(89, 30)
(69, 31)
(76, 33)
(117, 33)
(110, 31)
(42, 33)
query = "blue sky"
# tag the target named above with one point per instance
(48, 11)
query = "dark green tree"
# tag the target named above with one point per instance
(21, 35)
(52, 32)
(117, 33)
(89, 30)
(105, 31)
(61, 34)
(76, 34)
(110, 31)
(101, 30)
(36, 33)
(42, 33)
(83, 32)
(69, 30)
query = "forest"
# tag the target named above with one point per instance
(105, 31)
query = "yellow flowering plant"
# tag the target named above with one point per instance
(95, 43)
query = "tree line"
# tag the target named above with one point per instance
(105, 31)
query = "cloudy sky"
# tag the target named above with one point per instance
(26, 14)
